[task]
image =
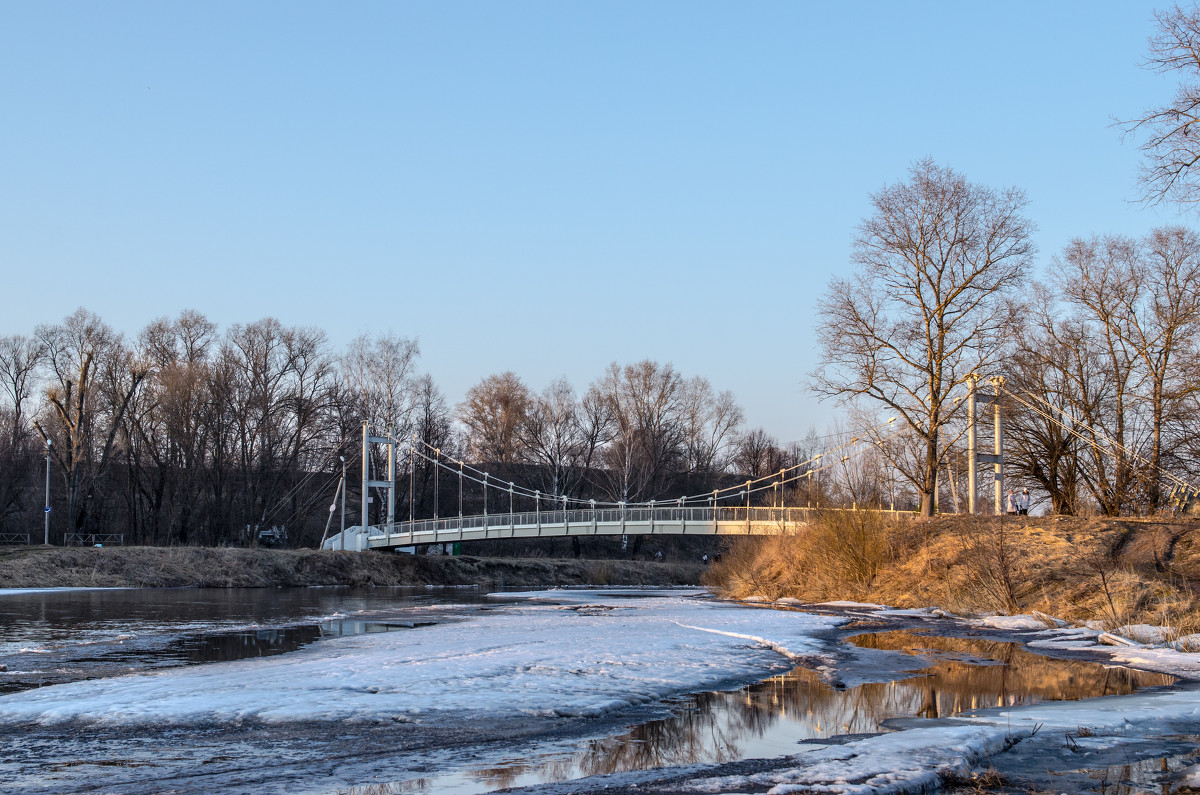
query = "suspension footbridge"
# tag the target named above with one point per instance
(723, 511)
(640, 520)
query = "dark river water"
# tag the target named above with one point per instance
(52, 637)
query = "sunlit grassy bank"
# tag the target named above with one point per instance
(159, 567)
(1119, 571)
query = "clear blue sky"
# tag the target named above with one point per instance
(536, 187)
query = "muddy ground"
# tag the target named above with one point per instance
(174, 567)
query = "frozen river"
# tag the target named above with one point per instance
(403, 690)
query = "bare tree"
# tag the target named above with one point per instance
(1171, 145)
(1053, 360)
(433, 426)
(282, 379)
(493, 412)
(20, 357)
(1096, 278)
(82, 418)
(710, 422)
(1164, 331)
(927, 306)
(756, 454)
(646, 447)
(561, 437)
(379, 374)
(167, 435)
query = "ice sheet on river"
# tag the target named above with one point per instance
(597, 652)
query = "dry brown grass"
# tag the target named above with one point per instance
(1120, 572)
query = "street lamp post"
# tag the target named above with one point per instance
(343, 536)
(47, 508)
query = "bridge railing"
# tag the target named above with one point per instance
(94, 539)
(571, 519)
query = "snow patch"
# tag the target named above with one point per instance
(1145, 633)
(1011, 622)
(528, 658)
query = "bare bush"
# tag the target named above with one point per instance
(994, 562)
(849, 547)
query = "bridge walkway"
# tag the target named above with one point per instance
(584, 522)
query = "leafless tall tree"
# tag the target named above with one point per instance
(1096, 280)
(20, 357)
(493, 412)
(643, 401)
(1170, 134)
(1164, 331)
(927, 306)
(710, 423)
(561, 438)
(82, 417)
(1052, 368)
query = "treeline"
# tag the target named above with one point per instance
(185, 434)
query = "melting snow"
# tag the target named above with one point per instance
(603, 652)
(590, 652)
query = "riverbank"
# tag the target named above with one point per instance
(176, 567)
(1116, 572)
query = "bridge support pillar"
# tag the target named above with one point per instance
(368, 483)
(995, 458)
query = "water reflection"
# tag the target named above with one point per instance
(977, 674)
(770, 718)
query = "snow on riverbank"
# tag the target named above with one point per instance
(24, 591)
(596, 652)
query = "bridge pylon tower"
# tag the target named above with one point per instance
(389, 442)
(996, 457)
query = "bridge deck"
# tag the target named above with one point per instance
(600, 522)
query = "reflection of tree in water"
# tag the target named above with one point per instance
(955, 685)
(719, 727)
